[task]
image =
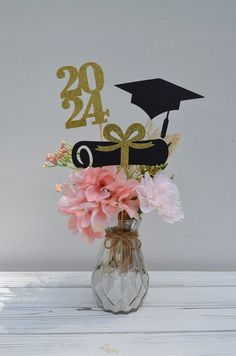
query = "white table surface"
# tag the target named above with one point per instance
(54, 313)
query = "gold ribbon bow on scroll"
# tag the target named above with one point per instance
(124, 141)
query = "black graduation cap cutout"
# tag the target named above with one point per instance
(156, 96)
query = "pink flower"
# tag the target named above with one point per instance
(95, 198)
(58, 187)
(51, 158)
(81, 212)
(162, 194)
(60, 157)
(124, 194)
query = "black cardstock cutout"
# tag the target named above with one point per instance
(155, 155)
(156, 96)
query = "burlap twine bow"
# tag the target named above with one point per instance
(124, 239)
(124, 141)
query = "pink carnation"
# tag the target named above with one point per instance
(162, 194)
(94, 199)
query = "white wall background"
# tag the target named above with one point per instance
(191, 43)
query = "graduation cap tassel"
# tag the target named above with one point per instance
(164, 126)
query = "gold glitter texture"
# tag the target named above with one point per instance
(124, 140)
(68, 95)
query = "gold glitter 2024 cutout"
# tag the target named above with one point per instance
(79, 77)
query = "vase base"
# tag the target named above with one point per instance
(121, 312)
(121, 297)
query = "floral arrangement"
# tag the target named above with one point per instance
(118, 178)
(97, 197)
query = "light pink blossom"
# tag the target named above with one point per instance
(162, 194)
(94, 199)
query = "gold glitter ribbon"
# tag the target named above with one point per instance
(124, 140)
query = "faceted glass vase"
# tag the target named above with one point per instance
(120, 280)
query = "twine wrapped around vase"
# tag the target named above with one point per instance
(120, 243)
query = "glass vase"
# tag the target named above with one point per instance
(120, 280)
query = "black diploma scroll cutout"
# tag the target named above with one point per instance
(156, 96)
(125, 149)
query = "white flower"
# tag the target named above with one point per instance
(162, 194)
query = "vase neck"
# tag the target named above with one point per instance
(125, 225)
